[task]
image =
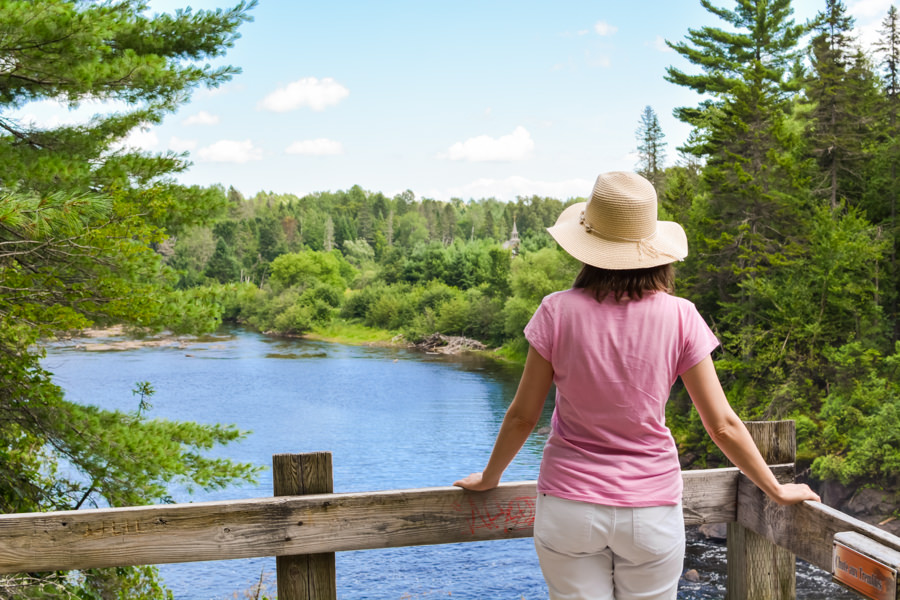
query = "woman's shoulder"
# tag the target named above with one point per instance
(673, 300)
(565, 297)
(667, 305)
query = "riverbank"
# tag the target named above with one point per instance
(355, 334)
(118, 338)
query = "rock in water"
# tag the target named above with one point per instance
(714, 531)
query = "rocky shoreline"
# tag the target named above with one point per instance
(117, 338)
(438, 343)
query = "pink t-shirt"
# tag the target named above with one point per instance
(614, 364)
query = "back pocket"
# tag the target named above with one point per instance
(562, 525)
(658, 529)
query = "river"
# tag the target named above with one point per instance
(392, 419)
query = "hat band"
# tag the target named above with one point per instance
(643, 244)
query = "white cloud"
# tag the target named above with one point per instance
(139, 138)
(515, 146)
(869, 14)
(30, 119)
(660, 44)
(511, 187)
(47, 114)
(604, 28)
(201, 118)
(307, 92)
(230, 151)
(179, 145)
(866, 9)
(317, 147)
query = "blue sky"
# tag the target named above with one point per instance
(449, 99)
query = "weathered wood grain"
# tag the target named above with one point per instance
(757, 569)
(300, 524)
(304, 576)
(709, 496)
(805, 529)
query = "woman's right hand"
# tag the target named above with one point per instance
(793, 493)
(476, 483)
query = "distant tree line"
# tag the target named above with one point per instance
(415, 266)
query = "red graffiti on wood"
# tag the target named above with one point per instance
(517, 513)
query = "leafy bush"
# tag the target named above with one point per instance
(304, 269)
(860, 418)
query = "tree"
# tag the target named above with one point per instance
(889, 46)
(328, 242)
(222, 265)
(651, 148)
(79, 219)
(741, 130)
(753, 215)
(839, 88)
(750, 217)
(882, 197)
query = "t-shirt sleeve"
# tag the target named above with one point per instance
(698, 340)
(539, 331)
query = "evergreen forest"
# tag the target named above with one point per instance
(787, 188)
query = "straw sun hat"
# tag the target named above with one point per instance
(617, 228)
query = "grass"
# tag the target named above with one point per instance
(344, 332)
(356, 334)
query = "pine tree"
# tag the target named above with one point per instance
(222, 265)
(651, 147)
(753, 212)
(79, 221)
(839, 123)
(881, 202)
(749, 220)
(889, 46)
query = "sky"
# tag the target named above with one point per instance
(466, 99)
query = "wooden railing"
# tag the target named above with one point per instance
(305, 524)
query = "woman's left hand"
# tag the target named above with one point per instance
(476, 483)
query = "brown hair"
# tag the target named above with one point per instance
(633, 283)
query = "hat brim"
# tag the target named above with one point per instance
(667, 246)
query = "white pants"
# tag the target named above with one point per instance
(594, 552)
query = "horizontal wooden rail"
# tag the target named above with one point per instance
(806, 529)
(301, 524)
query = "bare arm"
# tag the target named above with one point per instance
(730, 434)
(521, 417)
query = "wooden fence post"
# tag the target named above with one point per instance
(757, 568)
(304, 576)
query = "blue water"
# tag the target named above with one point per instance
(392, 419)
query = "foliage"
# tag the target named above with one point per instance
(787, 224)
(861, 416)
(842, 91)
(84, 222)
